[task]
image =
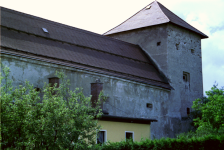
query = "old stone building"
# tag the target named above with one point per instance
(150, 65)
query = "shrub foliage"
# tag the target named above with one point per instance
(203, 143)
(61, 119)
(212, 111)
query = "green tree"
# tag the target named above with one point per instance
(63, 120)
(212, 111)
(197, 113)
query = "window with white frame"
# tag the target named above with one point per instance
(101, 137)
(129, 135)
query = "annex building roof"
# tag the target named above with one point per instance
(26, 35)
(153, 14)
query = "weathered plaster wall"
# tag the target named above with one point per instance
(152, 39)
(125, 97)
(179, 51)
(184, 55)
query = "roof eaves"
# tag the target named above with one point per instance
(126, 119)
(198, 32)
(83, 68)
(202, 35)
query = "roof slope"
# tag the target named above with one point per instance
(23, 34)
(155, 15)
(33, 25)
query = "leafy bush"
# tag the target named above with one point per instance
(63, 119)
(212, 119)
(206, 143)
(208, 115)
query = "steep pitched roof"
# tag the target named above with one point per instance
(22, 34)
(153, 14)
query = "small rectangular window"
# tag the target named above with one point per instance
(188, 111)
(53, 81)
(37, 89)
(148, 105)
(129, 135)
(186, 77)
(101, 137)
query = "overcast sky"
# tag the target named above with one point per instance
(101, 15)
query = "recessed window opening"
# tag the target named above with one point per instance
(53, 81)
(37, 89)
(158, 43)
(177, 46)
(101, 137)
(45, 30)
(148, 105)
(186, 77)
(129, 135)
(188, 111)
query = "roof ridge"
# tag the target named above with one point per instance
(162, 11)
(128, 18)
(179, 18)
(63, 25)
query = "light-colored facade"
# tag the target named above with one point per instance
(115, 131)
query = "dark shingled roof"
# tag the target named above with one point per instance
(157, 14)
(22, 33)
